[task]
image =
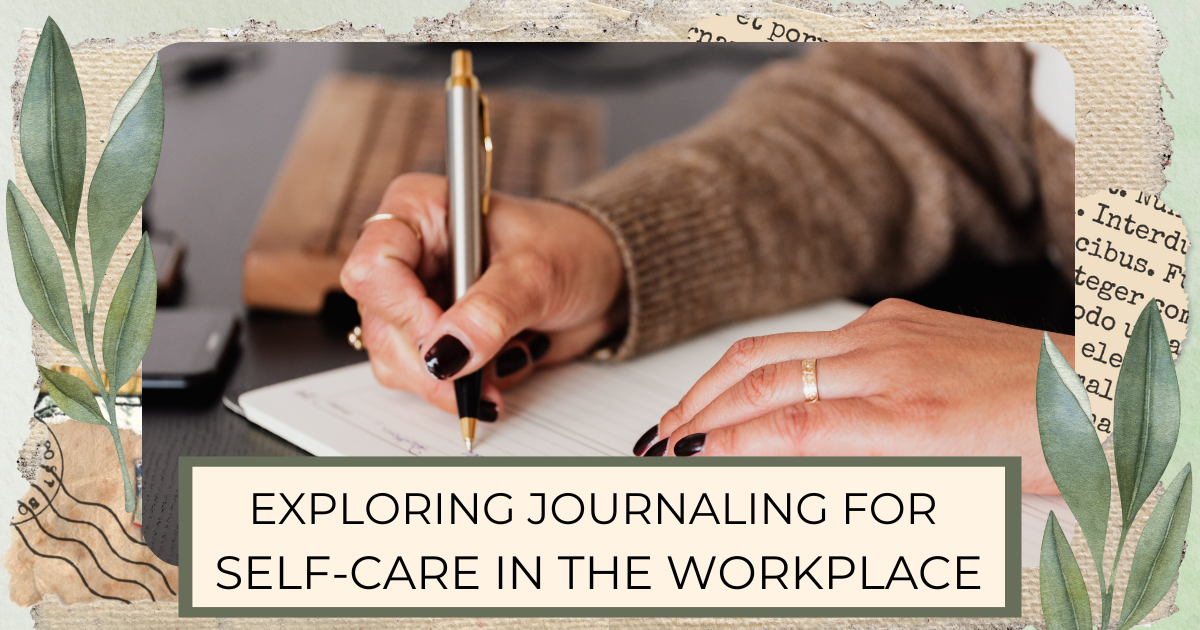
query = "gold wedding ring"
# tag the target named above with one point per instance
(808, 371)
(384, 217)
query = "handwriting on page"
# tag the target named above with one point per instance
(1129, 249)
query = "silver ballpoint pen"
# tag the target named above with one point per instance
(468, 152)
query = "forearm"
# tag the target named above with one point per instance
(856, 169)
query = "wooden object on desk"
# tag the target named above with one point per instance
(358, 134)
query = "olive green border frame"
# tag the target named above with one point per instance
(1012, 536)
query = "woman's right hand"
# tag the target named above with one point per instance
(548, 294)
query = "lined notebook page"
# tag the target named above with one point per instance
(581, 408)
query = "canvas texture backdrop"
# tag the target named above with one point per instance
(1122, 140)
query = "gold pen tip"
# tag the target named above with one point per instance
(460, 63)
(468, 432)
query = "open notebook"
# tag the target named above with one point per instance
(581, 408)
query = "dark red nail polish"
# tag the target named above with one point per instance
(658, 450)
(690, 445)
(645, 441)
(511, 361)
(447, 357)
(539, 346)
(488, 412)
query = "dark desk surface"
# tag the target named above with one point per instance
(231, 110)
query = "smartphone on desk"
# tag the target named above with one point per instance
(190, 351)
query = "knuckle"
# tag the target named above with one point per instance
(536, 270)
(890, 330)
(494, 316)
(758, 388)
(742, 355)
(403, 315)
(730, 441)
(671, 420)
(407, 183)
(412, 195)
(351, 281)
(355, 272)
(792, 424)
(892, 307)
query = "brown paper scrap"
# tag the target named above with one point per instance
(71, 537)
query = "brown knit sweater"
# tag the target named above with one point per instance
(857, 168)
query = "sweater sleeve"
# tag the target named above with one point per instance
(857, 168)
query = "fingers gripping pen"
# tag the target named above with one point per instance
(468, 152)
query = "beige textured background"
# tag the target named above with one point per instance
(1122, 141)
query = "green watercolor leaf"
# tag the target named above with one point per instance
(1159, 551)
(39, 275)
(130, 317)
(1065, 602)
(1069, 377)
(1145, 412)
(132, 96)
(126, 168)
(54, 130)
(73, 396)
(1073, 452)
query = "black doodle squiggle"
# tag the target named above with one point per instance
(68, 561)
(90, 553)
(100, 505)
(106, 541)
(46, 456)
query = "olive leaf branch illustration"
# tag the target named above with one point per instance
(1145, 429)
(53, 136)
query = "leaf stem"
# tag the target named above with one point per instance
(93, 376)
(89, 315)
(1107, 595)
(116, 435)
(107, 391)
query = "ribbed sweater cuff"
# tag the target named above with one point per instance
(686, 266)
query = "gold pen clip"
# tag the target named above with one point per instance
(487, 152)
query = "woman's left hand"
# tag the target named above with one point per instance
(900, 380)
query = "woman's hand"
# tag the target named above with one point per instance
(551, 269)
(900, 380)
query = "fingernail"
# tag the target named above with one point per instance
(446, 357)
(644, 442)
(658, 450)
(690, 445)
(511, 361)
(539, 346)
(488, 411)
